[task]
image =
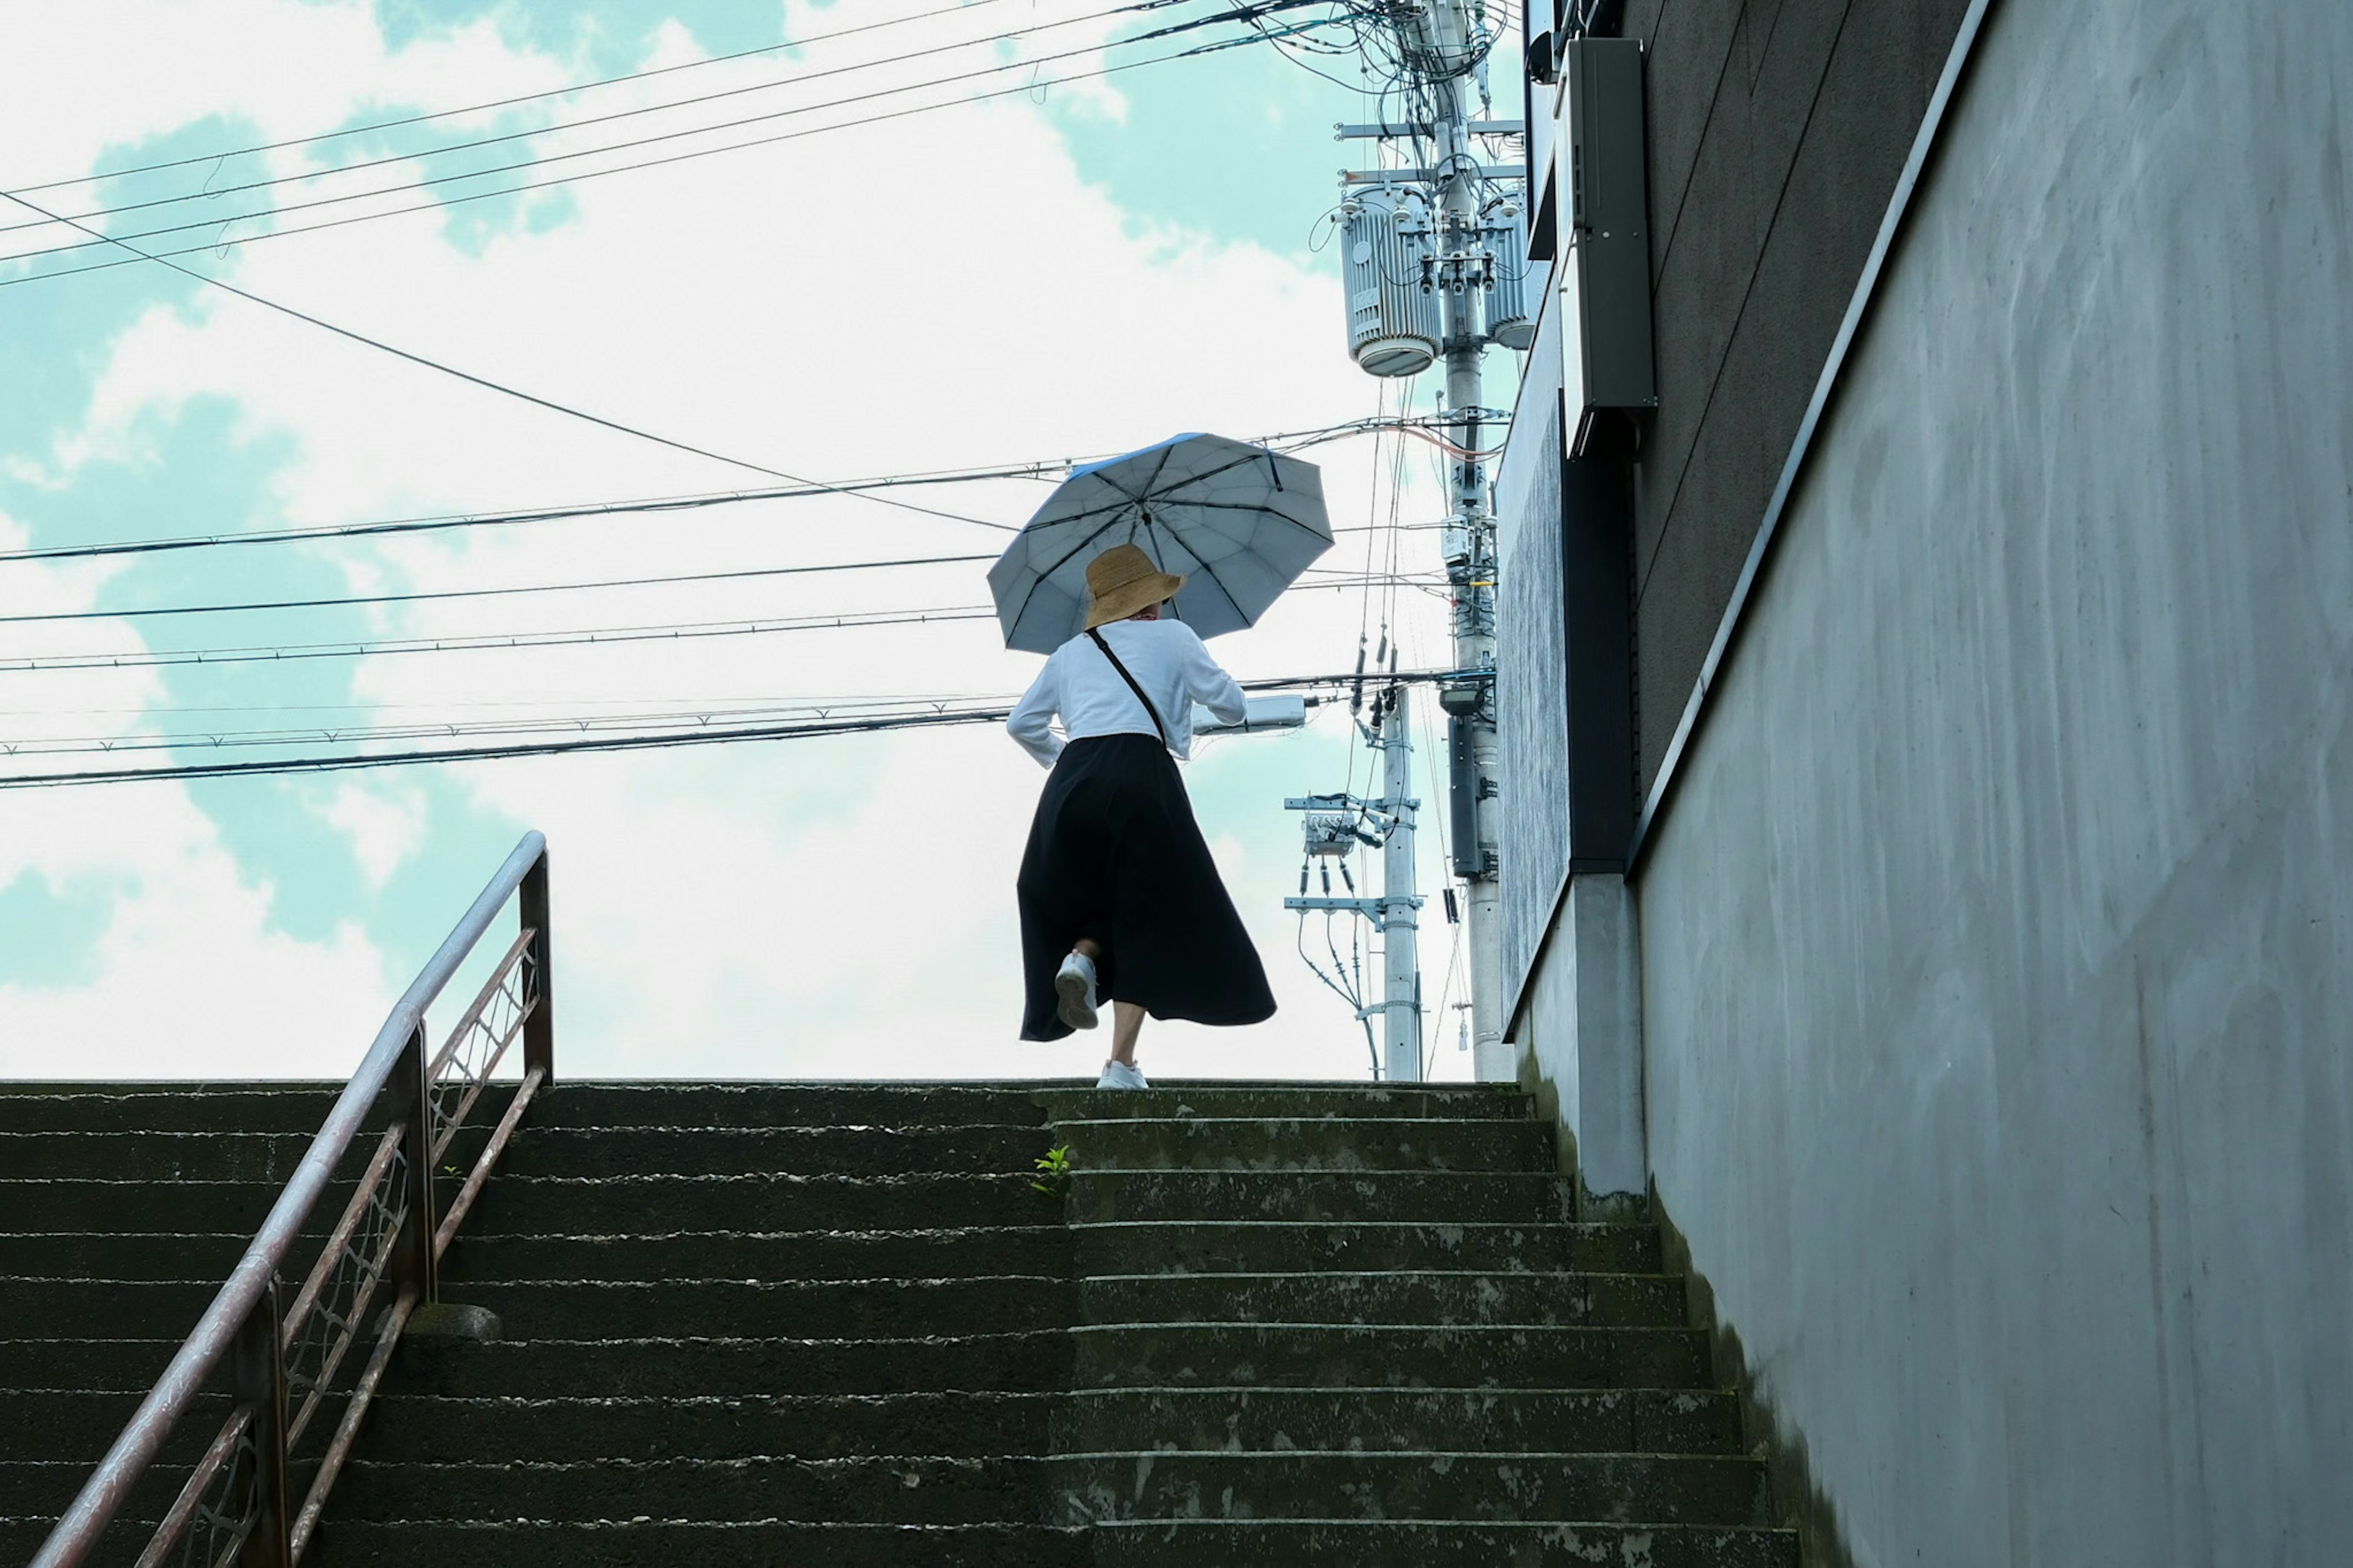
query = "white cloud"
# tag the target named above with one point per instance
(385, 824)
(928, 292)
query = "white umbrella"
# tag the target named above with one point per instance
(1240, 522)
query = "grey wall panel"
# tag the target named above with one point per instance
(1532, 663)
(1777, 129)
(1997, 952)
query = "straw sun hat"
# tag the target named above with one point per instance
(1122, 581)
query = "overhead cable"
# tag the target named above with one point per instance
(373, 126)
(367, 649)
(444, 203)
(703, 716)
(1041, 469)
(422, 595)
(787, 731)
(468, 377)
(476, 642)
(214, 192)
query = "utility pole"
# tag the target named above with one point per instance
(1400, 933)
(1333, 827)
(1470, 538)
(1410, 235)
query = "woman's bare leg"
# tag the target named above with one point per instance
(1088, 948)
(1126, 1023)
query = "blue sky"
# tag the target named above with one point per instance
(989, 282)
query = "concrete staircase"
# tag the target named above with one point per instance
(740, 1324)
(834, 1323)
(1360, 1326)
(122, 1207)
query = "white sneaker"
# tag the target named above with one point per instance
(1119, 1075)
(1075, 985)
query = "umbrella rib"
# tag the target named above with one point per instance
(1262, 510)
(1206, 569)
(1206, 474)
(1070, 555)
(1069, 517)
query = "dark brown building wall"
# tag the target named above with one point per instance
(1777, 129)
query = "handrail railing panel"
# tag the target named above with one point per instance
(235, 1505)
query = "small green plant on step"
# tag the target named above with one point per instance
(1053, 1172)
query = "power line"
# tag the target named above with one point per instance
(341, 602)
(215, 194)
(805, 730)
(444, 203)
(503, 102)
(423, 596)
(480, 381)
(679, 632)
(478, 642)
(416, 730)
(1045, 469)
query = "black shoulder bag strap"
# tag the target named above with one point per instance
(1161, 729)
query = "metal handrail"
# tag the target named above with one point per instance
(403, 1242)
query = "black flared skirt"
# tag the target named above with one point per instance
(1114, 854)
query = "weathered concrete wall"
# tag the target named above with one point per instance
(1998, 945)
(1580, 1042)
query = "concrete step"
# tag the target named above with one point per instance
(735, 1425)
(78, 1425)
(672, 1368)
(637, 1543)
(892, 1488)
(1434, 1544)
(82, 1362)
(165, 1107)
(46, 1205)
(1631, 1300)
(155, 1157)
(1175, 1098)
(761, 1255)
(1265, 1245)
(1503, 1420)
(1329, 1355)
(1305, 1143)
(212, 1156)
(1456, 1197)
(22, 1535)
(118, 1309)
(513, 1205)
(122, 1255)
(34, 1492)
(1654, 1489)
(855, 1150)
(810, 1308)
(751, 1105)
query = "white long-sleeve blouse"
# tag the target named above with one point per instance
(1167, 659)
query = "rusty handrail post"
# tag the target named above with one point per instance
(539, 1030)
(242, 1331)
(415, 1269)
(257, 1367)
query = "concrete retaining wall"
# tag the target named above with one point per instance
(1996, 949)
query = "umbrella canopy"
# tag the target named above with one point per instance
(1240, 522)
